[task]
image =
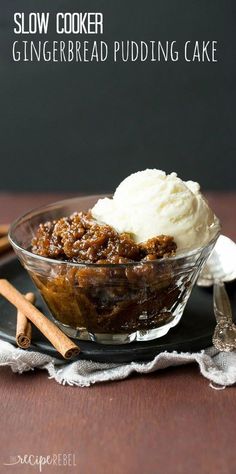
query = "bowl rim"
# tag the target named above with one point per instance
(184, 254)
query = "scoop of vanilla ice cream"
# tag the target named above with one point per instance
(150, 203)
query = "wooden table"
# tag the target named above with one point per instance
(168, 422)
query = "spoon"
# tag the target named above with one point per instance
(219, 268)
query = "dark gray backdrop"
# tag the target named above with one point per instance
(84, 127)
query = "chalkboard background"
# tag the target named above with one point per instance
(84, 127)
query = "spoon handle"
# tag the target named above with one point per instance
(222, 307)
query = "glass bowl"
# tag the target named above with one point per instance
(108, 303)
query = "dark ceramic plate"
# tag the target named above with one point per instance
(194, 332)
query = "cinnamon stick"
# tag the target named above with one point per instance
(4, 244)
(4, 229)
(58, 339)
(23, 326)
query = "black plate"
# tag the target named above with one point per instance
(194, 331)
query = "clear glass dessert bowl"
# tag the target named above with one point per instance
(108, 303)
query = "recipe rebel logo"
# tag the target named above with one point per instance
(60, 460)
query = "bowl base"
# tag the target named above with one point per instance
(123, 338)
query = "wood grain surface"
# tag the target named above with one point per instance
(169, 422)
